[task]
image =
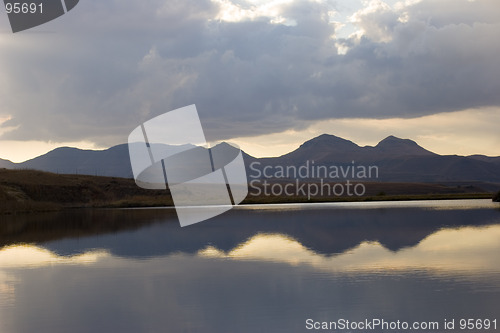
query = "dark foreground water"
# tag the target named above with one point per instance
(280, 268)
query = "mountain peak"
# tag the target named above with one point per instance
(392, 137)
(328, 140)
(394, 140)
(397, 145)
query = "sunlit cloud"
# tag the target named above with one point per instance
(5, 129)
(370, 21)
(20, 151)
(252, 10)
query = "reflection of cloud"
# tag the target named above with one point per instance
(7, 289)
(468, 249)
(33, 256)
(464, 204)
(465, 250)
(259, 287)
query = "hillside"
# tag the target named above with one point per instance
(29, 190)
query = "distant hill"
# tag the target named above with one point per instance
(113, 162)
(398, 160)
(483, 158)
(6, 164)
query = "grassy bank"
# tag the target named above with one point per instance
(373, 191)
(35, 191)
(24, 191)
(401, 197)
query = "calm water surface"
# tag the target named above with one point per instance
(254, 269)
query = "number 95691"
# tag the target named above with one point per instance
(24, 8)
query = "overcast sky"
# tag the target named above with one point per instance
(265, 74)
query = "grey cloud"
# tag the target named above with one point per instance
(446, 12)
(117, 64)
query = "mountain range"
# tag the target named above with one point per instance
(398, 160)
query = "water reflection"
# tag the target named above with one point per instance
(466, 250)
(149, 233)
(29, 256)
(248, 271)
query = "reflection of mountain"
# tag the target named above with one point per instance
(144, 233)
(399, 160)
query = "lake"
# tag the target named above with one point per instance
(272, 268)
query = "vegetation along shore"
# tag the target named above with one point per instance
(25, 191)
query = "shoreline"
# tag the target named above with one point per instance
(31, 191)
(42, 207)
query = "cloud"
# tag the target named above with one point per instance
(110, 65)
(376, 21)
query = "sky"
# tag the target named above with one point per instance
(267, 75)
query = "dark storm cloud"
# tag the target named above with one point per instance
(111, 65)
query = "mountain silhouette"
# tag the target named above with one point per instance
(393, 146)
(110, 162)
(398, 160)
(483, 158)
(6, 164)
(330, 149)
